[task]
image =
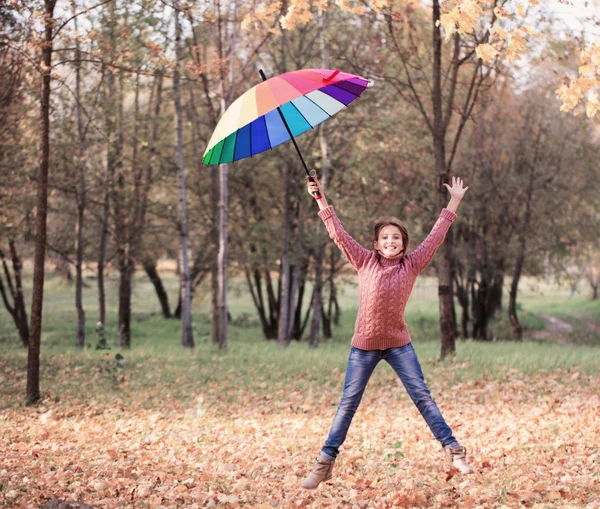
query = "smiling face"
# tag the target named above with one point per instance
(389, 243)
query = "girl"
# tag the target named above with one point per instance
(386, 277)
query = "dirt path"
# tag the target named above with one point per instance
(558, 331)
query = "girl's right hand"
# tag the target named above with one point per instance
(314, 187)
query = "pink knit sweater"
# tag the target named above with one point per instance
(385, 283)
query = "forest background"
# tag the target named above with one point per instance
(107, 108)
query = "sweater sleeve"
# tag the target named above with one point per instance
(353, 251)
(423, 254)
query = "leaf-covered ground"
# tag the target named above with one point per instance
(534, 441)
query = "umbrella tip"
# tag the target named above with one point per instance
(370, 83)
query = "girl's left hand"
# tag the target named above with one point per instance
(457, 190)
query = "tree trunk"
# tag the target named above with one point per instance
(223, 312)
(297, 271)
(102, 248)
(514, 286)
(319, 234)
(317, 304)
(522, 243)
(336, 309)
(257, 298)
(304, 322)
(17, 309)
(298, 329)
(37, 300)
(123, 226)
(222, 260)
(111, 162)
(214, 235)
(496, 293)
(481, 313)
(331, 315)
(282, 334)
(447, 326)
(163, 297)
(187, 336)
(462, 294)
(512, 301)
(81, 200)
(125, 276)
(197, 274)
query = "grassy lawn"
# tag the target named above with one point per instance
(156, 346)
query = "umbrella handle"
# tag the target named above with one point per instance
(312, 174)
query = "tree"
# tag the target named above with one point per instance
(81, 197)
(16, 309)
(187, 337)
(528, 165)
(320, 235)
(11, 109)
(33, 358)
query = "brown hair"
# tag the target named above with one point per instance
(389, 220)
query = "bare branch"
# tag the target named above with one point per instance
(78, 14)
(411, 86)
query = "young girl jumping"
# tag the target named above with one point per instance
(386, 277)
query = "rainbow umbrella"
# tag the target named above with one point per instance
(279, 109)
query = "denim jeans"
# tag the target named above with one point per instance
(361, 364)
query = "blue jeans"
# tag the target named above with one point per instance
(361, 364)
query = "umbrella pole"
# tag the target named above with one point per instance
(310, 178)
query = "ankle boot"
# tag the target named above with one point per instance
(458, 458)
(321, 472)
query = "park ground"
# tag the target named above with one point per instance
(168, 427)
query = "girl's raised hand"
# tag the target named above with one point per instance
(457, 190)
(313, 187)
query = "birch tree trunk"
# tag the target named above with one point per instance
(214, 236)
(222, 260)
(282, 331)
(222, 311)
(187, 336)
(319, 234)
(37, 300)
(109, 127)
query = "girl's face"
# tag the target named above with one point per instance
(389, 243)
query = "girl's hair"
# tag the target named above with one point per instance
(386, 221)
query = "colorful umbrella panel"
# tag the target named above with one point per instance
(252, 124)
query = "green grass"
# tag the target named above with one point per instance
(161, 370)
(158, 367)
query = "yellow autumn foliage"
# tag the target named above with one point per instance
(462, 17)
(575, 91)
(486, 52)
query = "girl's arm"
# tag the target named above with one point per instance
(353, 251)
(421, 257)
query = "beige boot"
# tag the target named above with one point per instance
(458, 457)
(321, 472)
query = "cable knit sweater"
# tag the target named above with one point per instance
(385, 283)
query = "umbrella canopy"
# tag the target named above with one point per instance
(305, 98)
